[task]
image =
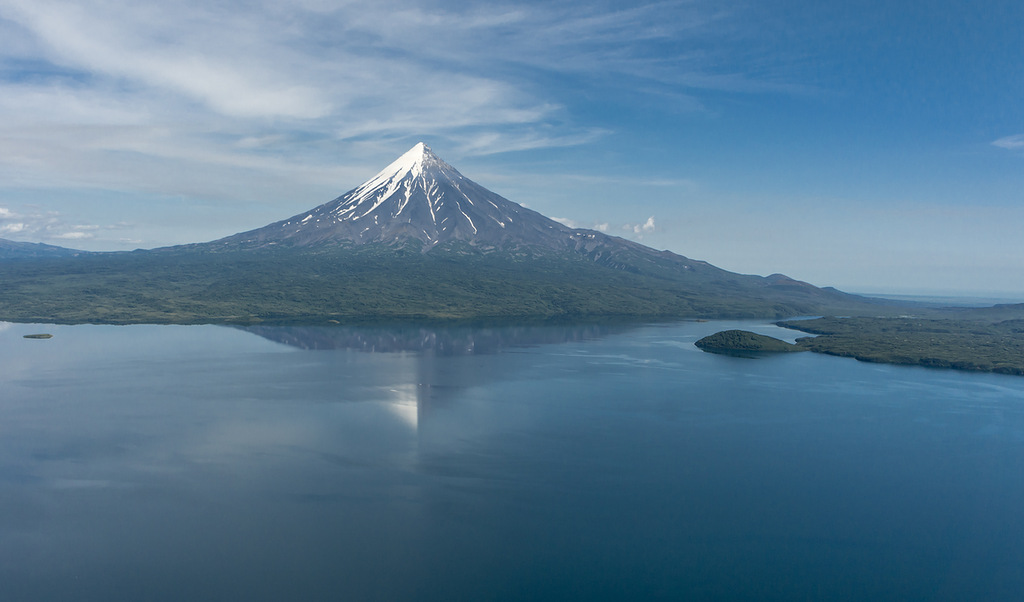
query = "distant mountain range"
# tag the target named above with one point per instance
(10, 249)
(417, 241)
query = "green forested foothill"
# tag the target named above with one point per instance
(373, 283)
(941, 343)
(377, 284)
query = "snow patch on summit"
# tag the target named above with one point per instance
(412, 168)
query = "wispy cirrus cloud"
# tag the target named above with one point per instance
(153, 45)
(102, 93)
(341, 71)
(342, 68)
(1010, 142)
(257, 101)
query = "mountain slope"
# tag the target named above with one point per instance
(418, 198)
(420, 201)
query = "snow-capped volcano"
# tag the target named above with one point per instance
(417, 197)
(354, 259)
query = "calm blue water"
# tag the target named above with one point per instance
(211, 463)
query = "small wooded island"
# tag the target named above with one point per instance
(742, 342)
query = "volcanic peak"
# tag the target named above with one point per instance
(418, 163)
(416, 197)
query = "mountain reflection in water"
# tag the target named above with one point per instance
(435, 384)
(441, 340)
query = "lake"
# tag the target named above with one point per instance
(540, 463)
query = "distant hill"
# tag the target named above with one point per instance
(417, 241)
(10, 249)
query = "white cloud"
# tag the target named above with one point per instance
(12, 227)
(361, 63)
(1010, 142)
(643, 228)
(47, 225)
(600, 227)
(492, 142)
(268, 102)
(150, 44)
(75, 235)
(231, 80)
(251, 101)
(639, 230)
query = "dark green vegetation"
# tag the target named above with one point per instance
(381, 283)
(373, 283)
(963, 344)
(743, 341)
(38, 336)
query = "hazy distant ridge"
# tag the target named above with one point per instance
(10, 249)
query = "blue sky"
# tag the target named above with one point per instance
(872, 146)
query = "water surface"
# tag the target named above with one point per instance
(596, 463)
